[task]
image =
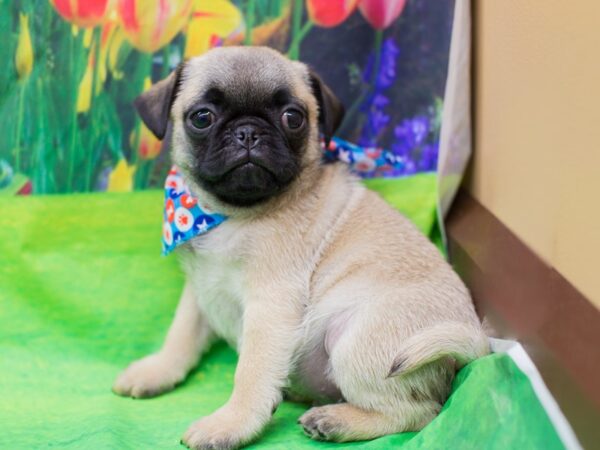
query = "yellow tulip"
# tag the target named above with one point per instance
(99, 55)
(262, 34)
(84, 94)
(151, 24)
(24, 55)
(87, 37)
(114, 46)
(108, 30)
(149, 146)
(211, 20)
(121, 178)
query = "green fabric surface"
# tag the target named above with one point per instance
(83, 292)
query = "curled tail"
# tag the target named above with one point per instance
(460, 341)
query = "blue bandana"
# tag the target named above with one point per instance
(185, 216)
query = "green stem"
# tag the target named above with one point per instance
(294, 51)
(304, 30)
(249, 22)
(39, 161)
(148, 166)
(20, 126)
(378, 43)
(91, 152)
(149, 172)
(71, 155)
(136, 161)
(146, 70)
(165, 69)
(353, 110)
(297, 17)
(297, 14)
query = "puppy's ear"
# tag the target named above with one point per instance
(331, 110)
(154, 105)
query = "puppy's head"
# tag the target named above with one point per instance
(245, 121)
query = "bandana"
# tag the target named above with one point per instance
(185, 216)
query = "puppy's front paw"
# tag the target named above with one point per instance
(148, 377)
(222, 430)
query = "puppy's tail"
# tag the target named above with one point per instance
(462, 342)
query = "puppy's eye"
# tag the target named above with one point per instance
(202, 119)
(292, 119)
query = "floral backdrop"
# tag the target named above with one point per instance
(70, 69)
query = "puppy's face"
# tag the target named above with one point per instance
(245, 121)
(244, 124)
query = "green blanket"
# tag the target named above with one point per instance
(83, 292)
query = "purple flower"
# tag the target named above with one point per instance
(410, 167)
(387, 69)
(380, 101)
(415, 138)
(375, 104)
(428, 157)
(377, 120)
(415, 141)
(413, 132)
(102, 180)
(366, 76)
(386, 74)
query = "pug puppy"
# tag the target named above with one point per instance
(326, 292)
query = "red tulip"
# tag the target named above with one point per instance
(83, 13)
(381, 13)
(26, 189)
(329, 13)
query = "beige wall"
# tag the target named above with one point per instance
(537, 128)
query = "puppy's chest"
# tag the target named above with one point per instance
(217, 274)
(219, 293)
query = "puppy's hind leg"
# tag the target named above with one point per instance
(376, 405)
(344, 422)
(159, 372)
(380, 406)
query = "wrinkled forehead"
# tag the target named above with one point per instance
(242, 77)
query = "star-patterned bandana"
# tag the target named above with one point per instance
(185, 216)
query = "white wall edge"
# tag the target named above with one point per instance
(526, 365)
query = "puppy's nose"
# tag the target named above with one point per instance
(247, 135)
